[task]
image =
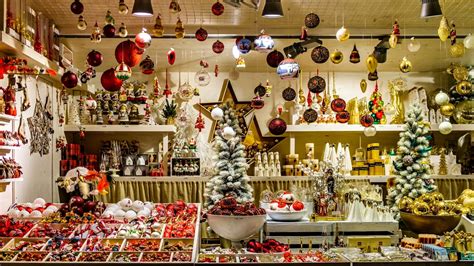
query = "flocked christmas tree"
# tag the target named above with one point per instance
(412, 162)
(230, 178)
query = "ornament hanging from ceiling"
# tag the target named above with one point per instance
(128, 53)
(311, 20)
(371, 63)
(143, 39)
(316, 84)
(320, 54)
(254, 140)
(122, 8)
(372, 76)
(174, 7)
(342, 34)
(81, 23)
(289, 94)
(288, 69)
(235, 52)
(310, 115)
(186, 91)
(201, 34)
(457, 50)
(77, 7)
(363, 85)
(259, 90)
(171, 55)
(355, 56)
(393, 40)
(264, 43)
(268, 88)
(443, 29)
(257, 102)
(202, 77)
(123, 72)
(277, 126)
(370, 131)
(414, 45)
(240, 62)
(109, 28)
(96, 36)
(123, 32)
(274, 58)
(217, 8)
(158, 29)
(405, 65)
(469, 41)
(147, 66)
(460, 73)
(109, 81)
(244, 45)
(336, 57)
(179, 30)
(94, 58)
(218, 47)
(199, 124)
(69, 79)
(464, 87)
(441, 98)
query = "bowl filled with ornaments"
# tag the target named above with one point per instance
(286, 208)
(235, 221)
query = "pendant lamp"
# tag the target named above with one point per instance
(142, 8)
(430, 8)
(272, 9)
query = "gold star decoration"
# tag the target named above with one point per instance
(255, 142)
(242, 109)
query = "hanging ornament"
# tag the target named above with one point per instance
(244, 45)
(460, 73)
(288, 69)
(186, 91)
(109, 28)
(443, 29)
(199, 124)
(109, 81)
(289, 94)
(202, 77)
(90, 103)
(445, 127)
(179, 30)
(264, 43)
(457, 50)
(217, 113)
(128, 53)
(77, 7)
(228, 133)
(167, 92)
(216, 71)
(147, 66)
(336, 57)
(355, 56)
(218, 47)
(343, 117)
(316, 84)
(268, 88)
(464, 87)
(366, 120)
(123, 72)
(414, 45)
(259, 90)
(201, 34)
(342, 34)
(304, 34)
(240, 62)
(96, 36)
(463, 112)
(274, 58)
(370, 131)
(447, 109)
(371, 63)
(143, 39)
(123, 32)
(441, 98)
(363, 85)
(338, 105)
(94, 58)
(69, 79)
(393, 40)
(372, 76)
(122, 8)
(469, 41)
(156, 87)
(320, 54)
(310, 115)
(174, 7)
(171, 56)
(158, 29)
(81, 23)
(311, 20)
(257, 102)
(235, 52)
(217, 8)
(405, 65)
(277, 126)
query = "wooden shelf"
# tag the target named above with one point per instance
(122, 128)
(5, 119)
(10, 180)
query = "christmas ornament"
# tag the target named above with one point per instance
(147, 66)
(240, 62)
(289, 94)
(463, 112)
(370, 131)
(457, 50)
(123, 72)
(201, 34)
(174, 7)
(447, 109)
(264, 43)
(268, 88)
(123, 32)
(441, 98)
(202, 77)
(288, 69)
(336, 57)
(235, 52)
(171, 56)
(186, 91)
(464, 87)
(363, 85)
(143, 39)
(343, 117)
(443, 29)
(257, 102)
(128, 53)
(338, 105)
(274, 58)
(81, 23)
(69, 79)
(77, 7)
(94, 58)
(218, 47)
(469, 41)
(342, 34)
(405, 65)
(320, 54)
(244, 45)
(158, 29)
(122, 8)
(414, 45)
(167, 92)
(375, 105)
(217, 113)
(216, 70)
(372, 76)
(277, 126)
(366, 120)
(96, 36)
(217, 8)
(179, 29)
(445, 127)
(311, 20)
(304, 34)
(199, 124)
(316, 84)
(355, 56)
(109, 31)
(259, 90)
(228, 133)
(460, 73)
(371, 63)
(310, 115)
(109, 81)
(393, 40)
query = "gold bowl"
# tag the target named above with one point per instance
(430, 224)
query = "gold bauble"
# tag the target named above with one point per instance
(448, 206)
(464, 87)
(465, 210)
(426, 198)
(421, 208)
(393, 40)
(363, 85)
(437, 196)
(443, 29)
(457, 49)
(371, 63)
(336, 57)
(405, 65)
(447, 109)
(457, 209)
(342, 34)
(460, 73)
(405, 204)
(443, 213)
(179, 30)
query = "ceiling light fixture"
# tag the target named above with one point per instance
(142, 8)
(272, 9)
(430, 8)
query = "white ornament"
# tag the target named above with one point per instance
(125, 204)
(122, 233)
(52, 208)
(155, 234)
(36, 214)
(143, 213)
(235, 52)
(414, 45)
(217, 113)
(441, 98)
(24, 214)
(138, 205)
(228, 133)
(107, 214)
(35, 206)
(445, 127)
(342, 34)
(273, 206)
(48, 212)
(113, 207)
(119, 213)
(370, 131)
(39, 201)
(13, 213)
(149, 205)
(130, 215)
(469, 41)
(28, 204)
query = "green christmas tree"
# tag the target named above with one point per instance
(412, 162)
(230, 169)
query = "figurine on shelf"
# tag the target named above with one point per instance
(134, 115)
(123, 114)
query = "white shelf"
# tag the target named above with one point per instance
(122, 128)
(8, 148)
(5, 119)
(10, 180)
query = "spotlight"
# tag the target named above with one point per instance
(142, 8)
(430, 8)
(272, 9)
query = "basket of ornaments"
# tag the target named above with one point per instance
(286, 208)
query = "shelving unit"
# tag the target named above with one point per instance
(5, 119)
(122, 128)
(7, 149)
(10, 180)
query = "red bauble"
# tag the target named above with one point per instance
(218, 47)
(147, 66)
(379, 114)
(217, 8)
(69, 80)
(171, 56)
(109, 31)
(77, 7)
(76, 201)
(94, 58)
(128, 52)
(343, 117)
(89, 206)
(277, 126)
(274, 58)
(338, 105)
(109, 81)
(201, 34)
(366, 120)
